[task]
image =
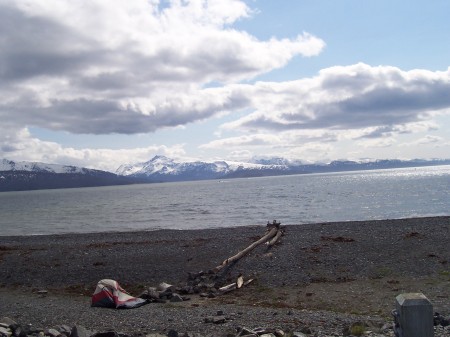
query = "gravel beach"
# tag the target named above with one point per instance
(318, 278)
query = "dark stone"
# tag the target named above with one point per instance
(219, 319)
(176, 298)
(80, 331)
(438, 319)
(65, 330)
(172, 333)
(106, 334)
(17, 330)
(246, 332)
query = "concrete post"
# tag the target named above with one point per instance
(415, 315)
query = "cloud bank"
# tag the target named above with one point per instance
(102, 67)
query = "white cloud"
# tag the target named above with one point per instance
(350, 97)
(22, 146)
(104, 67)
(426, 140)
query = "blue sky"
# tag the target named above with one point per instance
(101, 83)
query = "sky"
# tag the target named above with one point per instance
(101, 83)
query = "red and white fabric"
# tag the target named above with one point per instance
(109, 294)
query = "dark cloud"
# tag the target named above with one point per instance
(34, 46)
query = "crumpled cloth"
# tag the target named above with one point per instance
(109, 294)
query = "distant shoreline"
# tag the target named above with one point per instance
(237, 227)
(42, 179)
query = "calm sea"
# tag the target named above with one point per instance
(362, 195)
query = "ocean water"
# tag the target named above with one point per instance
(311, 198)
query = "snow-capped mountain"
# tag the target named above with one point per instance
(161, 168)
(17, 176)
(9, 165)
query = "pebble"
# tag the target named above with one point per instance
(9, 328)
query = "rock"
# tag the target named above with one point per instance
(64, 330)
(187, 290)
(219, 319)
(5, 332)
(155, 335)
(246, 332)
(279, 333)
(172, 333)
(298, 334)
(106, 334)
(8, 321)
(31, 330)
(80, 331)
(17, 330)
(306, 330)
(176, 298)
(438, 319)
(267, 335)
(52, 332)
(163, 286)
(260, 331)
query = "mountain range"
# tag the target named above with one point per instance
(15, 176)
(21, 176)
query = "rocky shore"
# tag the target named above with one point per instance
(319, 280)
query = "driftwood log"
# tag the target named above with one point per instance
(275, 239)
(234, 286)
(270, 234)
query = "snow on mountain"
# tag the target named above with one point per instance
(9, 165)
(23, 176)
(161, 165)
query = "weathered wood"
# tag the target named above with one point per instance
(233, 286)
(228, 287)
(272, 232)
(240, 281)
(275, 239)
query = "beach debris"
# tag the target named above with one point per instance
(236, 285)
(109, 294)
(240, 282)
(211, 283)
(273, 230)
(165, 292)
(206, 284)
